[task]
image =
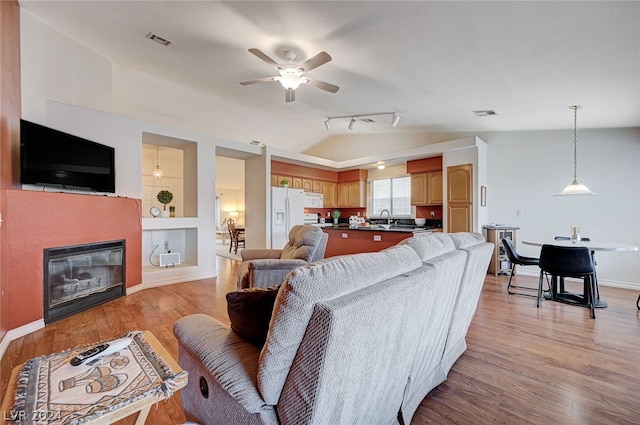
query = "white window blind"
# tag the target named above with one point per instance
(391, 194)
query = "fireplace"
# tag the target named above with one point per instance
(79, 277)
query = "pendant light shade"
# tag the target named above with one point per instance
(575, 188)
(157, 172)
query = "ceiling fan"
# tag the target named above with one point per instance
(292, 75)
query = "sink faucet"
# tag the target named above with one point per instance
(388, 215)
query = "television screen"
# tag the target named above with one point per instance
(50, 157)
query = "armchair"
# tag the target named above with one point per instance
(262, 268)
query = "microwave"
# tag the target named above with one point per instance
(313, 200)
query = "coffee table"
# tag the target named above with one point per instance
(149, 347)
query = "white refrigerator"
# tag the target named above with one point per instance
(287, 210)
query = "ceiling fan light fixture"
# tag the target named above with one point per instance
(352, 123)
(575, 188)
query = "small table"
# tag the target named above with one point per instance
(568, 297)
(143, 405)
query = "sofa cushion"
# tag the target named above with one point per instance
(463, 240)
(306, 286)
(250, 312)
(429, 245)
(303, 242)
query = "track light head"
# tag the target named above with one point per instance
(327, 124)
(395, 119)
(352, 123)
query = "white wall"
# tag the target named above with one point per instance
(527, 168)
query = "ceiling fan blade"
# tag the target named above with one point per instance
(259, 80)
(314, 62)
(290, 95)
(265, 58)
(322, 85)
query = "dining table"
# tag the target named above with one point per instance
(557, 291)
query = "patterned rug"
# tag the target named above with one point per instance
(51, 391)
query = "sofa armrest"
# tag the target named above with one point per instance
(265, 273)
(231, 361)
(270, 264)
(255, 254)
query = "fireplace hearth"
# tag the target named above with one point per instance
(80, 277)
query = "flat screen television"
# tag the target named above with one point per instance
(50, 157)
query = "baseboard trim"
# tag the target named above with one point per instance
(17, 333)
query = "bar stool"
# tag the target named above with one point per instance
(576, 262)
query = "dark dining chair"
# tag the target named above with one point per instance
(638, 302)
(236, 236)
(573, 261)
(593, 255)
(518, 260)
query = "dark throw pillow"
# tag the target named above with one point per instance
(250, 312)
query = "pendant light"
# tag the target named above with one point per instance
(575, 188)
(157, 173)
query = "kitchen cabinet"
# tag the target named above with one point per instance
(274, 180)
(316, 186)
(296, 183)
(419, 189)
(307, 185)
(426, 188)
(434, 188)
(288, 178)
(329, 194)
(351, 195)
(460, 198)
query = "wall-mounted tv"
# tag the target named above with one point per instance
(50, 157)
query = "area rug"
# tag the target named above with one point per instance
(223, 251)
(73, 395)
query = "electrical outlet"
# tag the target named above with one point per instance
(518, 213)
(377, 238)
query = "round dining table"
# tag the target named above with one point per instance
(559, 294)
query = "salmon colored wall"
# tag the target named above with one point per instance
(39, 220)
(285, 169)
(425, 164)
(10, 109)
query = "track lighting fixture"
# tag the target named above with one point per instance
(395, 119)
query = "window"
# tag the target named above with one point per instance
(391, 194)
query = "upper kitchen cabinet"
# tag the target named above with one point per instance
(329, 194)
(426, 181)
(351, 195)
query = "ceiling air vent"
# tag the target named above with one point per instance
(485, 113)
(158, 39)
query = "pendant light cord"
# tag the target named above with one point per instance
(575, 142)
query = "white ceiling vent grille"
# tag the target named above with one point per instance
(158, 39)
(485, 113)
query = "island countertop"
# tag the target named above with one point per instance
(343, 240)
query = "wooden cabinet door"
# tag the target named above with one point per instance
(419, 189)
(434, 188)
(459, 178)
(459, 218)
(329, 194)
(307, 185)
(356, 194)
(460, 198)
(274, 180)
(316, 186)
(343, 195)
(296, 183)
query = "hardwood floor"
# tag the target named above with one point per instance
(524, 365)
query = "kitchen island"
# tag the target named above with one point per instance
(344, 240)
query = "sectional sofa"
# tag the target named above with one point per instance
(356, 339)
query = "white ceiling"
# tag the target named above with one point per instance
(432, 62)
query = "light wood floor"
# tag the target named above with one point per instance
(552, 365)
